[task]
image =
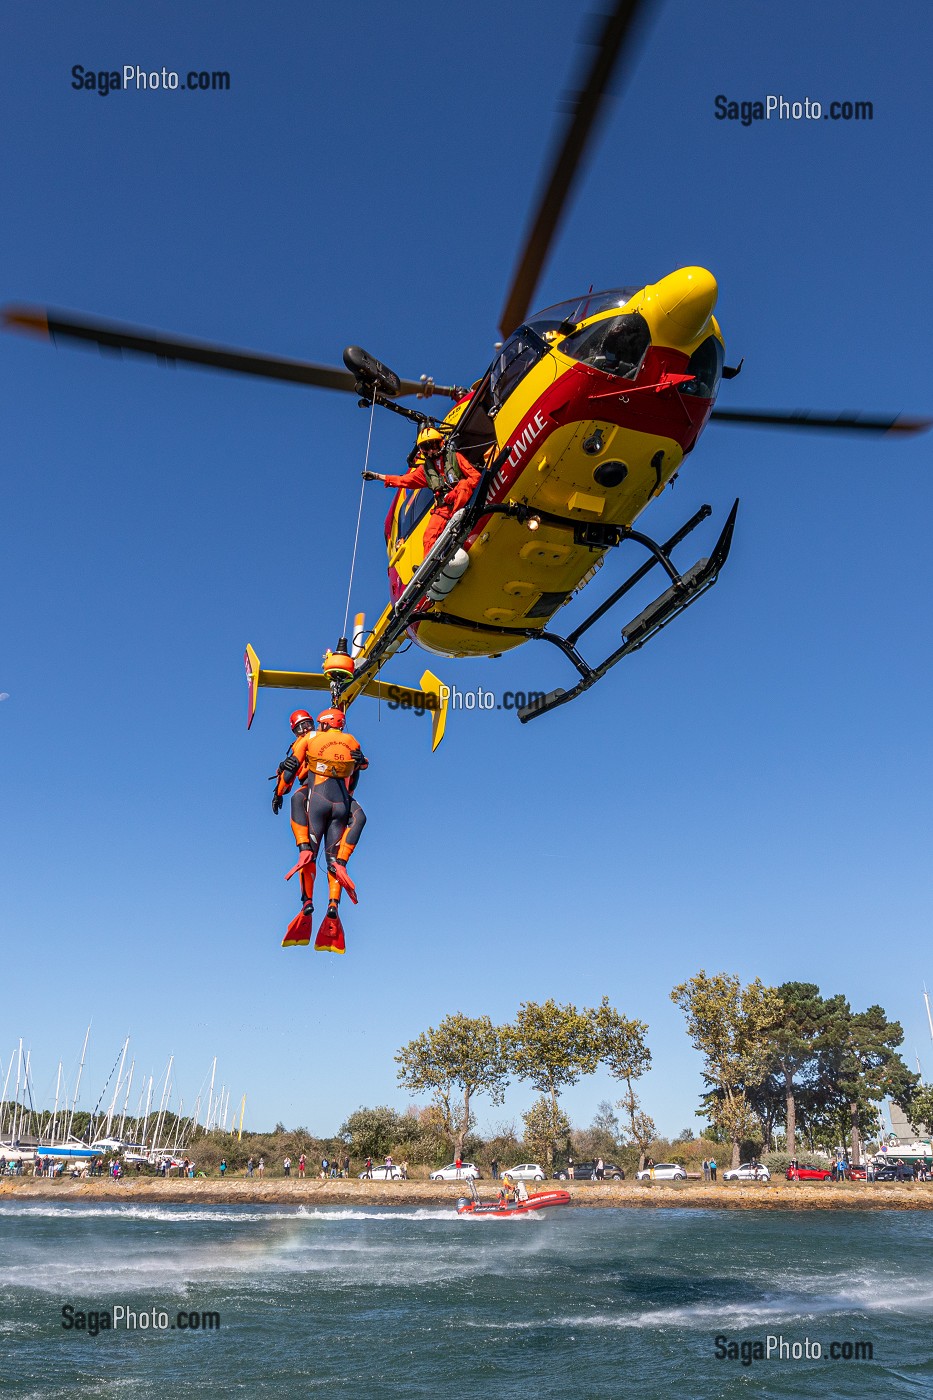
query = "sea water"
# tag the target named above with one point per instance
(380, 1302)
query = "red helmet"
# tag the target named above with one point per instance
(300, 717)
(332, 719)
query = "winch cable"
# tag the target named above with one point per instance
(359, 514)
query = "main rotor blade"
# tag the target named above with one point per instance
(568, 159)
(57, 325)
(825, 422)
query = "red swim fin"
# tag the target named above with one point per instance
(306, 858)
(339, 873)
(330, 935)
(298, 933)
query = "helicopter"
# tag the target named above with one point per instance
(582, 420)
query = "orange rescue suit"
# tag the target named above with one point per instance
(447, 503)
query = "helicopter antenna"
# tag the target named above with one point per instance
(359, 514)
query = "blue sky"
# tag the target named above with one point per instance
(751, 793)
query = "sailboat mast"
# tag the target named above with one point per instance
(126, 1098)
(6, 1084)
(78, 1083)
(113, 1102)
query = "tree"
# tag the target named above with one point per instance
(373, 1132)
(461, 1058)
(920, 1108)
(622, 1049)
(730, 1025)
(795, 1039)
(606, 1121)
(860, 1067)
(551, 1046)
(544, 1126)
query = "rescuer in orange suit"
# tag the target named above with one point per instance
(328, 764)
(451, 479)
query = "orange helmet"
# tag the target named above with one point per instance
(431, 440)
(300, 717)
(332, 719)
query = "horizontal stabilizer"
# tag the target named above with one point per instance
(432, 696)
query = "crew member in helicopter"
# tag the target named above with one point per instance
(448, 474)
(327, 763)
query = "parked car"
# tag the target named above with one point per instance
(452, 1172)
(586, 1171)
(749, 1171)
(893, 1173)
(525, 1171)
(806, 1172)
(383, 1174)
(856, 1173)
(663, 1171)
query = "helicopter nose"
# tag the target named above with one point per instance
(682, 304)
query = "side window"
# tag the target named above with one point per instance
(706, 367)
(415, 506)
(518, 355)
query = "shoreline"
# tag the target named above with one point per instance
(775, 1195)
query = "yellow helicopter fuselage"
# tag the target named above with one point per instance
(598, 408)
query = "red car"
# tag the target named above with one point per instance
(856, 1174)
(807, 1173)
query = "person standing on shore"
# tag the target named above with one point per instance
(249, 1167)
(705, 1169)
(494, 1167)
(346, 1165)
(301, 1167)
(369, 1168)
(262, 1166)
(223, 1168)
(712, 1168)
(287, 1166)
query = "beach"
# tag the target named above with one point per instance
(240, 1190)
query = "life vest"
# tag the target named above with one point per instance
(441, 479)
(331, 754)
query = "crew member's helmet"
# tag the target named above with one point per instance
(431, 441)
(332, 719)
(300, 722)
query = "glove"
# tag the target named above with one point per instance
(277, 804)
(371, 476)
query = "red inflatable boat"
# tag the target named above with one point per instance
(537, 1201)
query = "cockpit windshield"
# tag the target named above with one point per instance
(615, 344)
(566, 314)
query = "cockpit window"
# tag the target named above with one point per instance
(568, 313)
(518, 355)
(616, 345)
(706, 367)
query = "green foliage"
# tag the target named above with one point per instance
(545, 1130)
(551, 1046)
(374, 1132)
(920, 1108)
(731, 1027)
(461, 1058)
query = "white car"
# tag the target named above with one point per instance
(465, 1172)
(525, 1171)
(747, 1173)
(383, 1174)
(664, 1171)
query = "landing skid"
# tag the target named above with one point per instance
(684, 590)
